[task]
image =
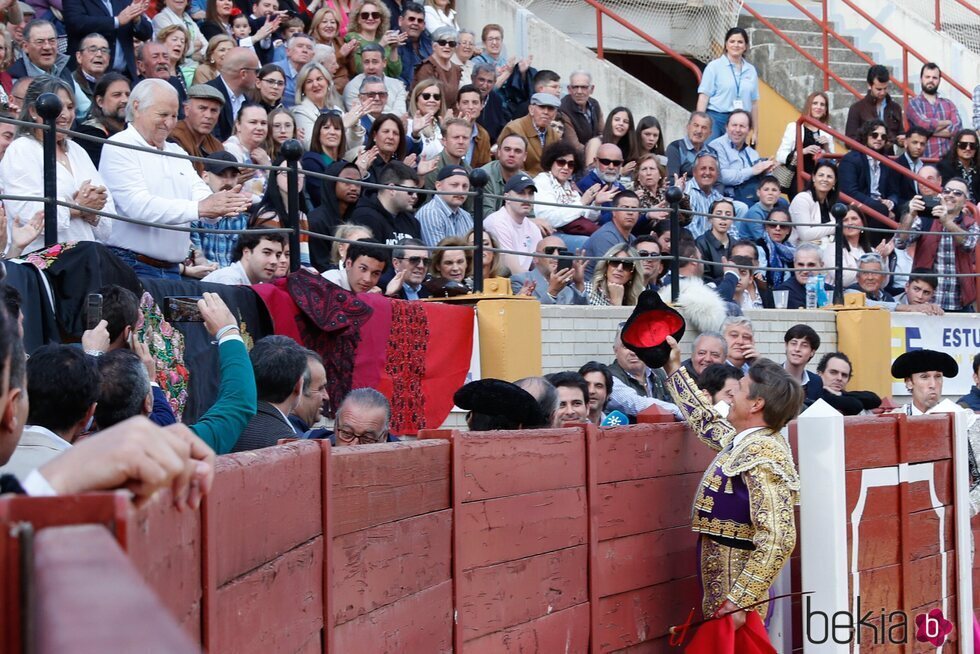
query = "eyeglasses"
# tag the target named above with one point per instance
(273, 82)
(431, 96)
(778, 226)
(415, 262)
(878, 135)
(565, 163)
(552, 249)
(628, 266)
(94, 49)
(648, 253)
(955, 192)
(370, 15)
(449, 44)
(365, 438)
(610, 162)
(251, 70)
(374, 94)
(967, 145)
(414, 19)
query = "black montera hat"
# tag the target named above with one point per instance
(646, 331)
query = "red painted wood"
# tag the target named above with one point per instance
(592, 485)
(880, 587)
(633, 507)
(870, 442)
(655, 414)
(380, 565)
(443, 434)
(883, 500)
(90, 599)
(560, 632)
(644, 614)
(518, 526)
(648, 559)
(275, 608)
(387, 482)
(418, 623)
(255, 490)
(326, 579)
(641, 451)
(504, 595)
(878, 543)
(499, 464)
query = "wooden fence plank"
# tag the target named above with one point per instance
(641, 451)
(635, 507)
(883, 500)
(647, 559)
(879, 538)
(645, 614)
(871, 442)
(563, 631)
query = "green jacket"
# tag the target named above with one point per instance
(221, 426)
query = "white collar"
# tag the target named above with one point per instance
(742, 434)
(56, 440)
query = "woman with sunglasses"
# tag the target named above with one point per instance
(619, 130)
(369, 20)
(810, 210)
(218, 47)
(615, 281)
(775, 245)
(963, 161)
(315, 94)
(815, 142)
(859, 172)
(426, 108)
(217, 19)
(440, 67)
(560, 162)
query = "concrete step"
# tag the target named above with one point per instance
(806, 38)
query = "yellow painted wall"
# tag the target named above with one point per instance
(775, 112)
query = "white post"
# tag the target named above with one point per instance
(964, 558)
(823, 520)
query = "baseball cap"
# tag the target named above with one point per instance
(519, 182)
(219, 162)
(451, 170)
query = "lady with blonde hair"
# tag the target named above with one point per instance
(493, 265)
(615, 281)
(426, 110)
(6, 60)
(176, 39)
(351, 232)
(175, 12)
(369, 23)
(328, 28)
(452, 265)
(214, 57)
(316, 93)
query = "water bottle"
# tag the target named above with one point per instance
(821, 290)
(811, 292)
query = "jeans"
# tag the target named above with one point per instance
(143, 270)
(719, 120)
(573, 242)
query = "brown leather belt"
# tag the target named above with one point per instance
(156, 263)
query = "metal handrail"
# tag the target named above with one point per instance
(601, 10)
(938, 11)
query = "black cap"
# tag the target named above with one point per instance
(449, 171)
(496, 397)
(924, 361)
(219, 162)
(518, 182)
(646, 331)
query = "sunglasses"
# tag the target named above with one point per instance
(565, 163)
(431, 96)
(879, 135)
(778, 226)
(375, 94)
(370, 15)
(967, 145)
(955, 192)
(414, 19)
(628, 266)
(647, 253)
(447, 44)
(610, 162)
(552, 249)
(417, 261)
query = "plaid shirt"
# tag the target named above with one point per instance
(948, 292)
(218, 247)
(926, 114)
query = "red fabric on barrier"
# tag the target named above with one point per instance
(719, 637)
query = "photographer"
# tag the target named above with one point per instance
(742, 284)
(553, 281)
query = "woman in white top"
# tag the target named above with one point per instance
(247, 145)
(856, 245)
(816, 143)
(314, 93)
(810, 210)
(440, 13)
(174, 12)
(78, 179)
(427, 108)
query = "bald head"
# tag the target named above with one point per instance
(240, 69)
(547, 265)
(609, 151)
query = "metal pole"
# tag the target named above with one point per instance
(478, 181)
(674, 196)
(48, 107)
(838, 211)
(292, 151)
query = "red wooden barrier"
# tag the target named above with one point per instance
(521, 541)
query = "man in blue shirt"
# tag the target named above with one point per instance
(418, 46)
(605, 171)
(617, 231)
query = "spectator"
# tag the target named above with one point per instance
(363, 419)
(41, 56)
(220, 174)
(282, 127)
(937, 115)
(174, 39)
(156, 189)
(201, 111)
(635, 387)
(545, 395)
(972, 399)
(254, 30)
(815, 142)
(279, 364)
(338, 200)
(387, 142)
(78, 181)
(835, 371)
(549, 284)
(911, 158)
(599, 380)
(807, 257)
(872, 277)
(309, 410)
(742, 283)
(963, 161)
(120, 27)
(617, 231)
(810, 210)
(374, 64)
(740, 338)
(492, 264)
(877, 105)
(439, 66)
(494, 52)
(682, 152)
(606, 171)
(802, 343)
(315, 93)
(272, 211)
(619, 130)
(758, 213)
(740, 167)
(153, 62)
(328, 144)
(920, 290)
(650, 140)
(444, 215)
(650, 187)
(217, 18)
(708, 348)
(440, 13)
(511, 157)
(255, 260)
(536, 128)
(469, 104)
(720, 382)
(945, 244)
(573, 398)
(338, 252)
(456, 134)
(715, 244)
(865, 179)
(463, 56)
(328, 27)
(648, 247)
(730, 83)
(368, 23)
(239, 72)
(246, 145)
(451, 265)
(58, 414)
(703, 190)
(177, 12)
(269, 86)
(427, 107)
(411, 267)
(615, 281)
(776, 251)
(561, 162)
(417, 46)
(856, 245)
(581, 108)
(92, 60)
(511, 225)
(495, 112)
(388, 214)
(362, 267)
(299, 53)
(214, 57)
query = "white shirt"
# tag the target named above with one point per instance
(21, 173)
(236, 100)
(397, 96)
(155, 189)
(629, 401)
(511, 235)
(339, 277)
(232, 275)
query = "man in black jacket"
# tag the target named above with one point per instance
(807, 257)
(390, 213)
(581, 108)
(120, 27)
(279, 364)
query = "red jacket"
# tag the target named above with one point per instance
(928, 246)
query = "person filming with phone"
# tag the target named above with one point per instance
(553, 281)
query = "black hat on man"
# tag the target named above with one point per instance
(646, 331)
(924, 361)
(497, 404)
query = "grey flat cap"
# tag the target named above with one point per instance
(205, 92)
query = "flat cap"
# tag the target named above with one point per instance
(206, 92)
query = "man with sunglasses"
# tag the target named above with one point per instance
(945, 244)
(440, 66)
(418, 46)
(551, 285)
(410, 267)
(605, 172)
(373, 63)
(867, 180)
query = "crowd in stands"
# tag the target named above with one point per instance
(400, 95)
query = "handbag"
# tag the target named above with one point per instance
(785, 175)
(580, 227)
